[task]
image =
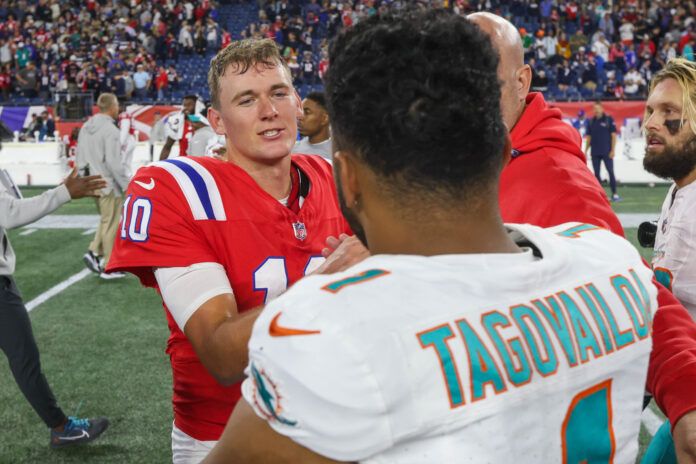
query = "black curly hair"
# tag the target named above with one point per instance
(416, 96)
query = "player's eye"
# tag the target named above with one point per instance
(673, 125)
(280, 94)
(245, 101)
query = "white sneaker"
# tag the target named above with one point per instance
(92, 262)
(112, 275)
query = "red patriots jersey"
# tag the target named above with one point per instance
(183, 211)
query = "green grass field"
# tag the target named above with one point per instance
(102, 349)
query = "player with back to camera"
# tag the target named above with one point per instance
(460, 338)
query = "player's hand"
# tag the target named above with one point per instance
(341, 253)
(684, 436)
(80, 187)
(611, 154)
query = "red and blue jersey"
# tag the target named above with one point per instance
(183, 211)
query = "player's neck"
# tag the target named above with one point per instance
(448, 232)
(320, 137)
(273, 178)
(683, 182)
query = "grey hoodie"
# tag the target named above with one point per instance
(16, 212)
(99, 148)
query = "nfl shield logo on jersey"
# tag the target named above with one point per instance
(300, 230)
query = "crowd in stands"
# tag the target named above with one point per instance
(578, 50)
(98, 46)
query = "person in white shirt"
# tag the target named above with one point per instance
(460, 339)
(633, 82)
(203, 136)
(314, 127)
(670, 126)
(671, 154)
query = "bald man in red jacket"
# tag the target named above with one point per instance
(547, 183)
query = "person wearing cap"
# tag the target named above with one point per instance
(600, 143)
(580, 123)
(203, 135)
(22, 55)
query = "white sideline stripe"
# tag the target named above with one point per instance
(651, 421)
(53, 291)
(28, 231)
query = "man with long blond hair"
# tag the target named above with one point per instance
(221, 238)
(670, 126)
(670, 131)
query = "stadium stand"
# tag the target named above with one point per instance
(578, 50)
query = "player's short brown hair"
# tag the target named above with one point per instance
(684, 72)
(242, 55)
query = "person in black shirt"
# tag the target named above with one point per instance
(600, 141)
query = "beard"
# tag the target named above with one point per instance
(348, 213)
(674, 162)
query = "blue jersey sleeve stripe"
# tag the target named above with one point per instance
(198, 183)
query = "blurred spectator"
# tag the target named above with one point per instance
(600, 142)
(48, 126)
(26, 78)
(22, 55)
(580, 123)
(5, 82)
(141, 82)
(633, 83)
(5, 52)
(161, 83)
(203, 135)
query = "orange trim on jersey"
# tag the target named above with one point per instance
(481, 363)
(276, 330)
(568, 324)
(507, 342)
(536, 340)
(613, 335)
(635, 305)
(442, 366)
(601, 323)
(580, 396)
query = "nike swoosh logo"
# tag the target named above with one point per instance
(149, 186)
(276, 330)
(84, 434)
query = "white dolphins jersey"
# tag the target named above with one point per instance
(674, 258)
(534, 357)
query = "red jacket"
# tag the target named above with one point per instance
(547, 183)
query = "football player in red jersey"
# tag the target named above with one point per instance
(220, 238)
(178, 128)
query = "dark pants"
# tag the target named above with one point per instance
(609, 164)
(18, 344)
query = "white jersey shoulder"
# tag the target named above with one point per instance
(174, 127)
(409, 359)
(196, 183)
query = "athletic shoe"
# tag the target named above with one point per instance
(615, 197)
(79, 431)
(112, 275)
(92, 262)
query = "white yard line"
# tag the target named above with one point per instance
(53, 291)
(28, 231)
(651, 421)
(89, 232)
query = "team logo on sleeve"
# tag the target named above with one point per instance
(267, 399)
(300, 230)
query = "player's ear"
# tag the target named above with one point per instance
(298, 100)
(216, 121)
(346, 174)
(507, 150)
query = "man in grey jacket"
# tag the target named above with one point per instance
(99, 150)
(16, 336)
